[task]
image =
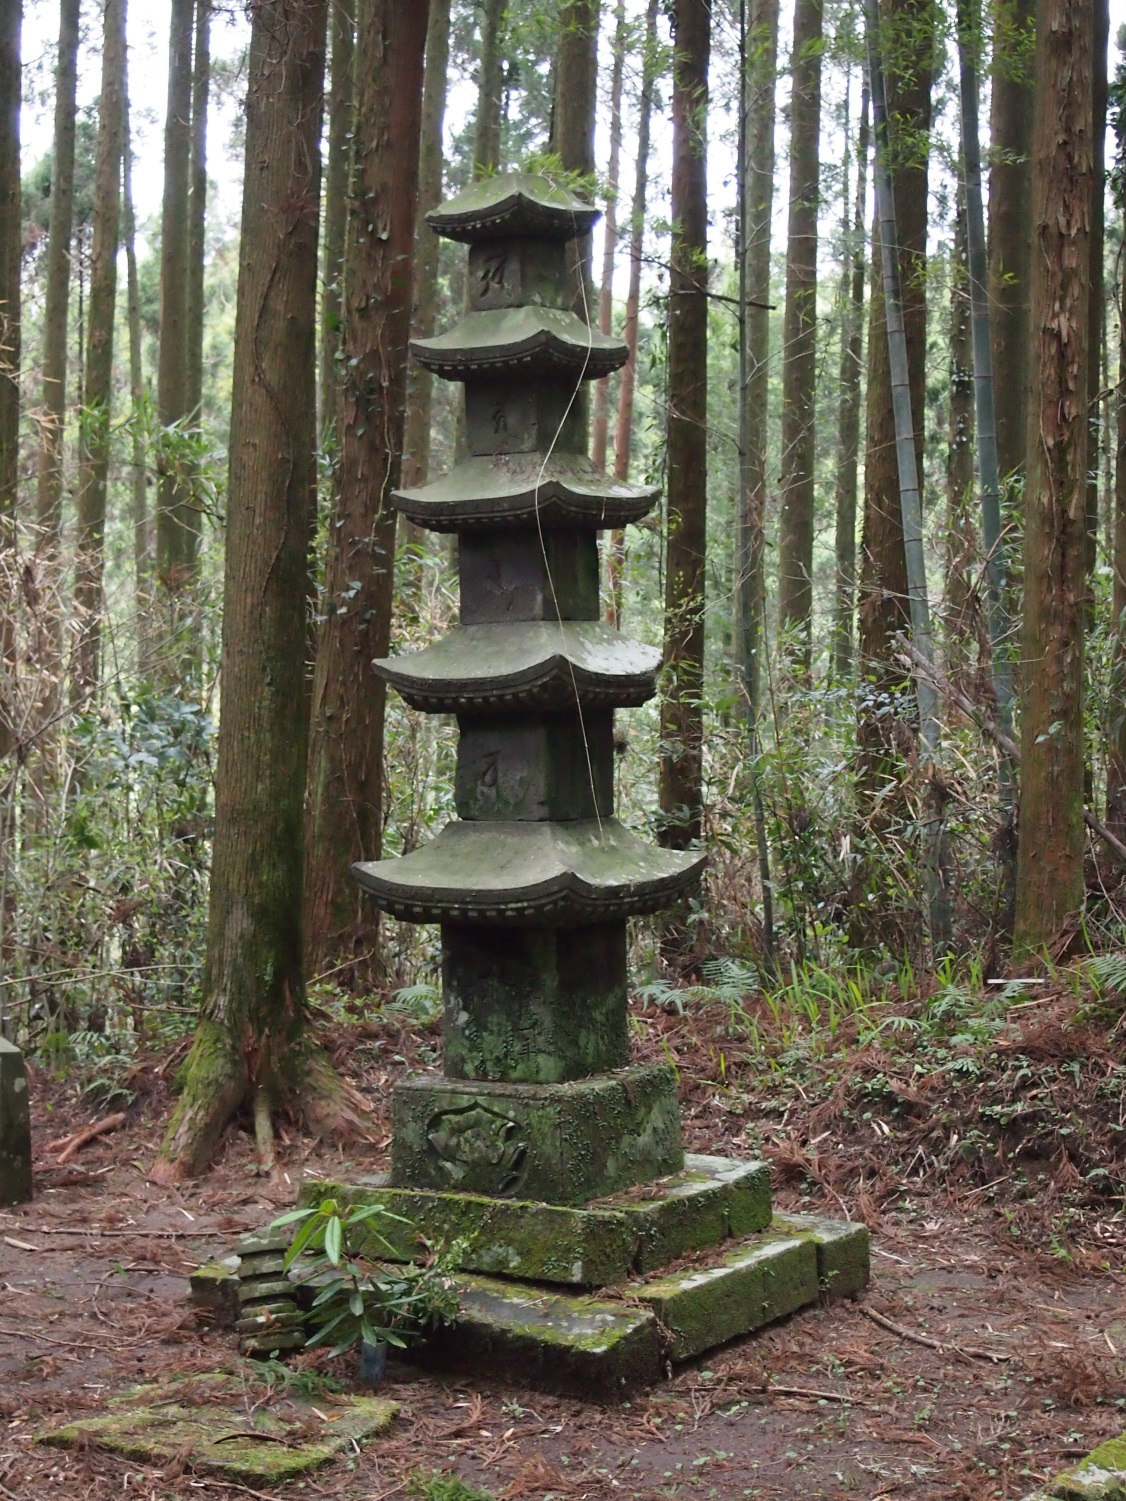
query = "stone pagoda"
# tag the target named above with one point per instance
(559, 1161)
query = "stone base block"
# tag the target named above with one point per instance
(634, 1231)
(557, 1143)
(600, 1348)
(15, 1127)
(843, 1253)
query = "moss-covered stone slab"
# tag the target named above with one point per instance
(843, 1251)
(747, 1287)
(494, 872)
(522, 489)
(208, 1419)
(557, 1143)
(519, 203)
(1099, 1477)
(712, 1199)
(574, 1346)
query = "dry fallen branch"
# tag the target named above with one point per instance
(68, 1147)
(967, 1352)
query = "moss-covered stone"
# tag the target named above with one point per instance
(215, 1286)
(558, 1143)
(516, 1238)
(746, 1288)
(15, 1127)
(676, 1215)
(843, 1251)
(1099, 1477)
(576, 1346)
(208, 1419)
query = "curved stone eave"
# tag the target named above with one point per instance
(528, 340)
(525, 489)
(506, 873)
(517, 205)
(527, 664)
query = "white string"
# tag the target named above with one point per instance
(543, 546)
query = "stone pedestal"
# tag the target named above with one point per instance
(15, 1127)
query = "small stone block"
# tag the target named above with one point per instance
(260, 1264)
(15, 1127)
(843, 1251)
(516, 1238)
(258, 1316)
(267, 1344)
(262, 1241)
(748, 1287)
(1099, 1477)
(215, 1286)
(748, 1184)
(264, 1291)
(575, 1346)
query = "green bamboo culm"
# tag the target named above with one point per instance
(1000, 626)
(910, 499)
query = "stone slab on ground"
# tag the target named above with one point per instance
(15, 1127)
(215, 1286)
(1099, 1477)
(205, 1419)
(843, 1251)
(598, 1245)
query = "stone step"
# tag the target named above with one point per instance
(602, 1244)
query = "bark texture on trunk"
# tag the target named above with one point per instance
(799, 344)
(252, 1044)
(420, 383)
(848, 416)
(600, 421)
(1010, 209)
(623, 429)
(490, 90)
(345, 819)
(57, 298)
(197, 223)
(1050, 851)
(1116, 766)
(11, 20)
(140, 520)
(682, 726)
(883, 595)
(576, 86)
(963, 614)
(94, 472)
(341, 119)
(175, 526)
(1096, 292)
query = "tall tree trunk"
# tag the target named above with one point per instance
(420, 382)
(1116, 766)
(962, 634)
(94, 476)
(799, 343)
(1050, 853)
(341, 120)
(140, 519)
(346, 755)
(758, 61)
(11, 19)
(252, 1044)
(623, 431)
(197, 223)
(883, 606)
(490, 90)
(175, 527)
(1096, 292)
(682, 723)
(848, 416)
(1010, 209)
(57, 299)
(573, 111)
(600, 424)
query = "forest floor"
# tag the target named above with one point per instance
(989, 1351)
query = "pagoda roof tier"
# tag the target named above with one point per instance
(555, 874)
(528, 664)
(525, 489)
(510, 207)
(530, 340)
